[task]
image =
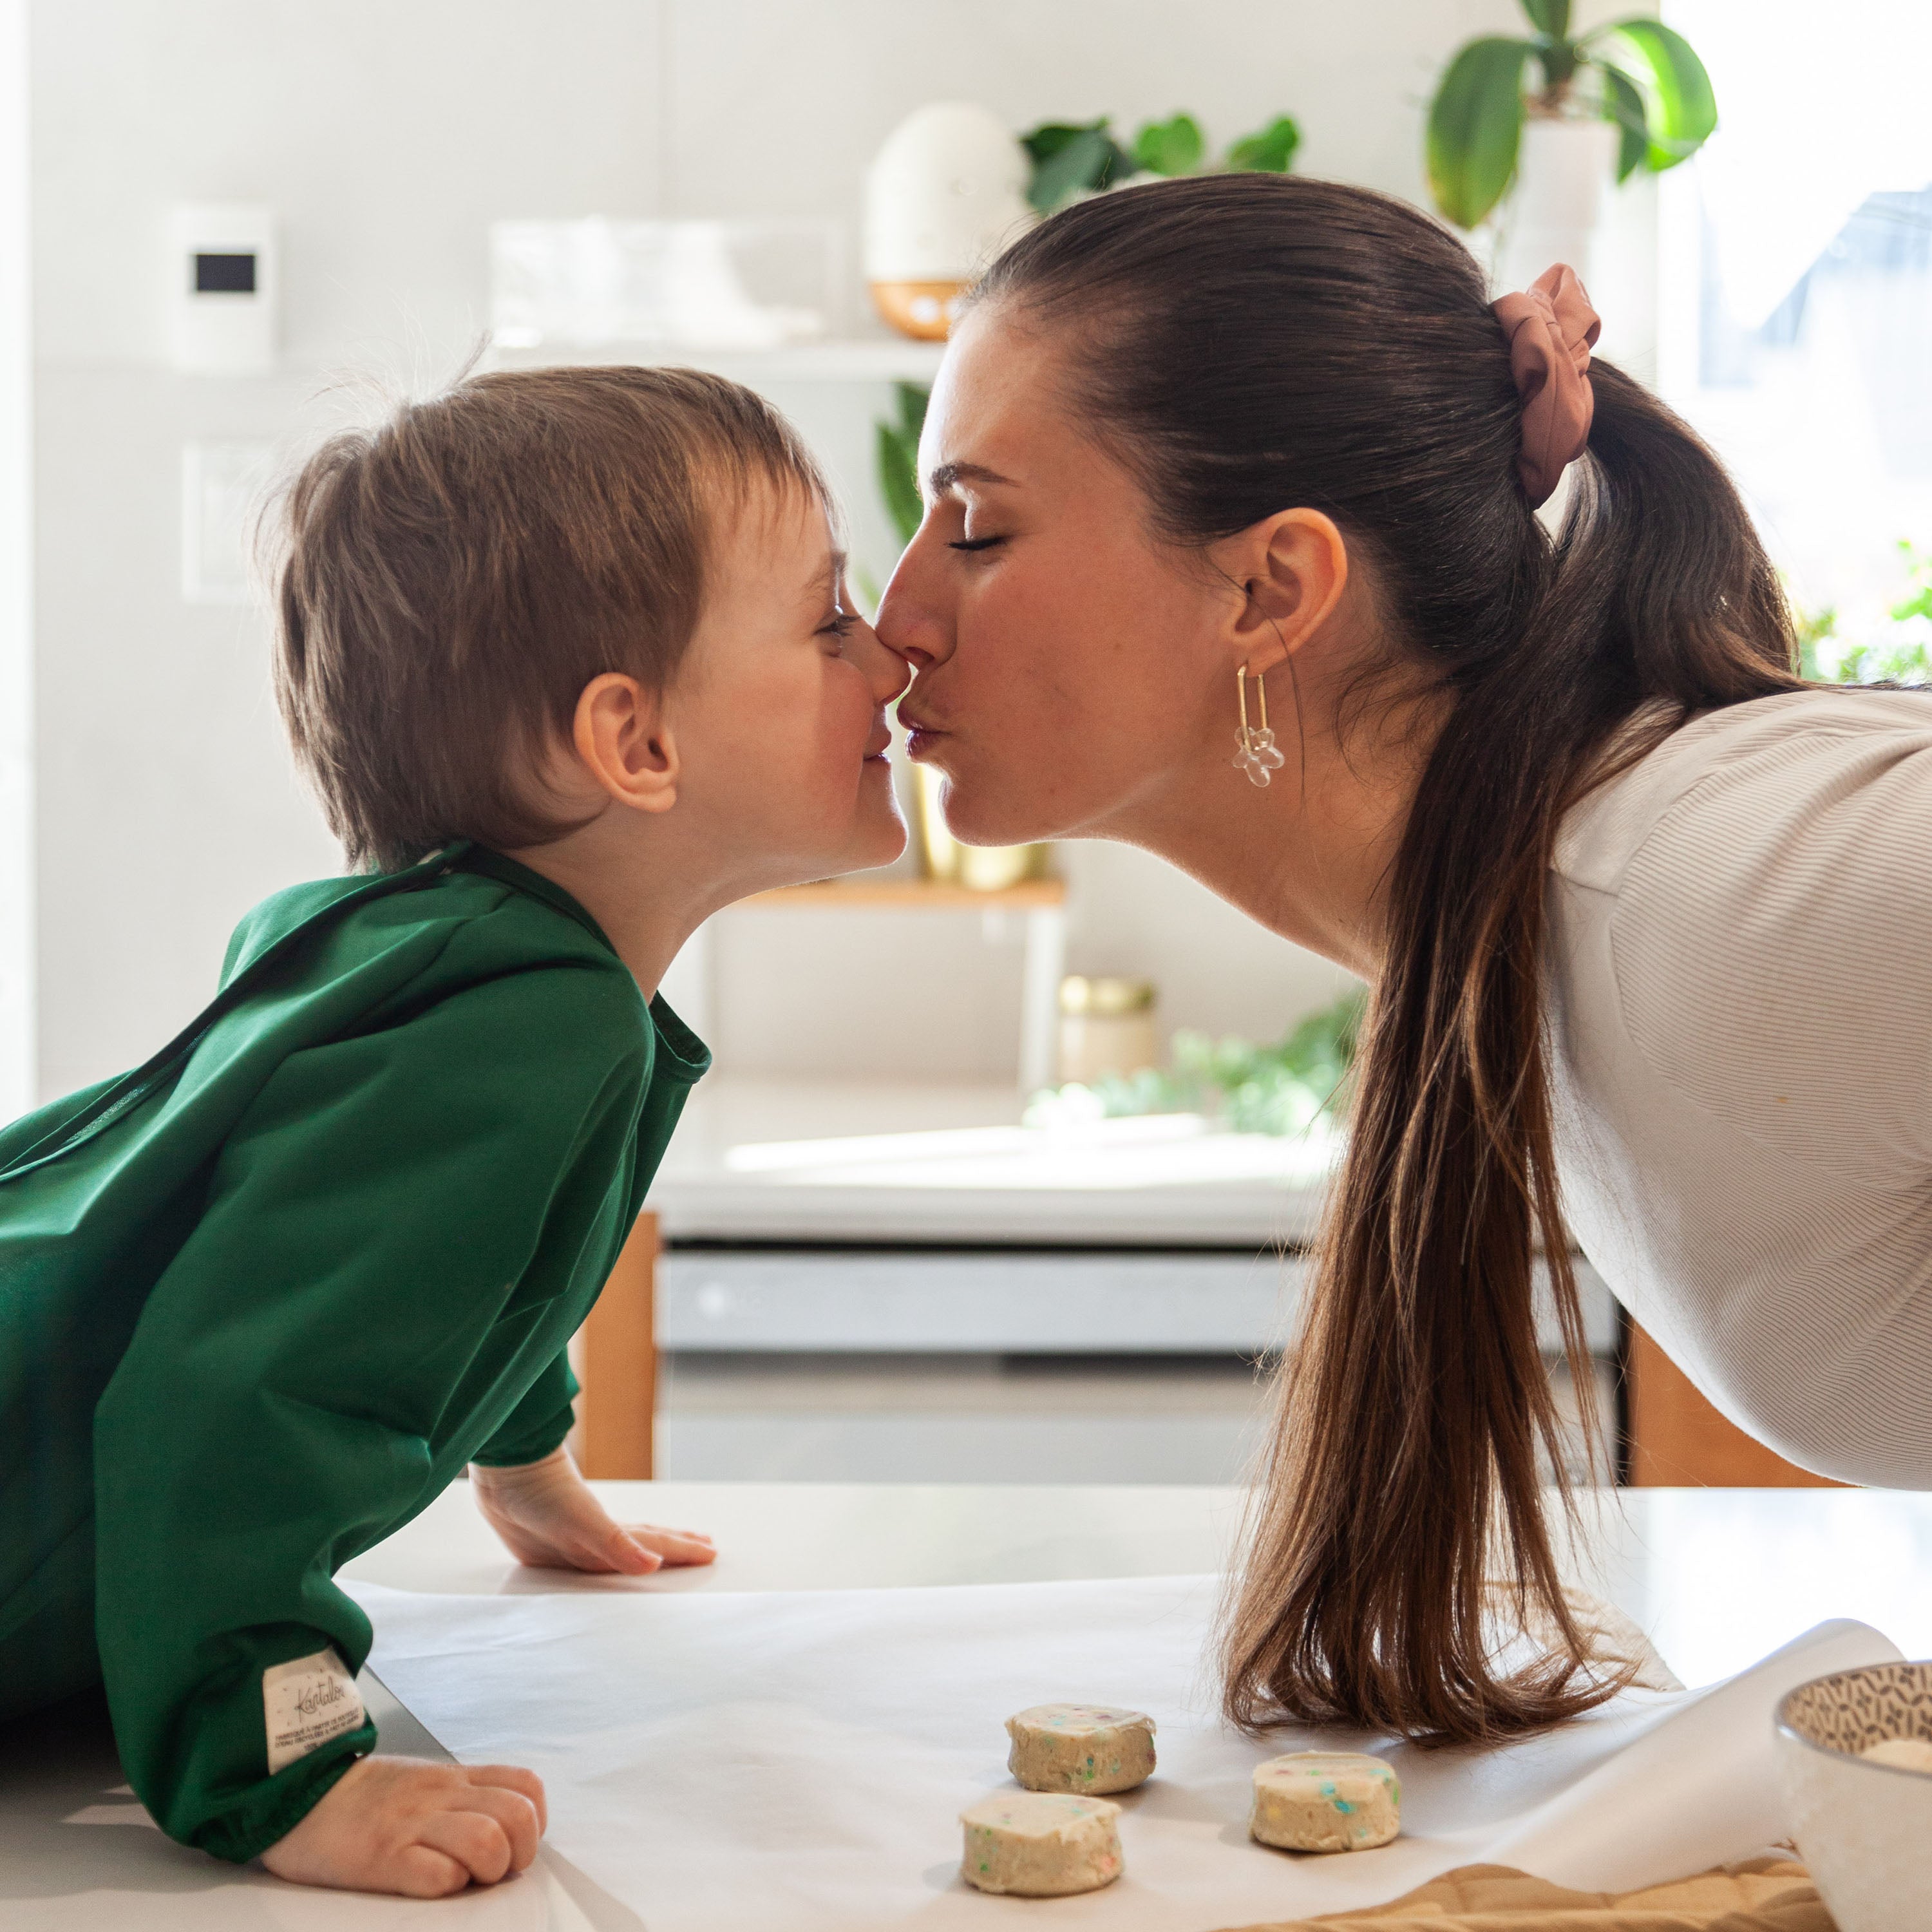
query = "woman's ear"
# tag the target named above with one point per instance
(624, 743)
(1291, 568)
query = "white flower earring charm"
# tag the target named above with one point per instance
(1256, 752)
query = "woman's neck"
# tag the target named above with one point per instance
(1309, 855)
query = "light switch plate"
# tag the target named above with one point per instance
(222, 485)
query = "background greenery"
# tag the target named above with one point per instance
(897, 449)
(1638, 72)
(1896, 649)
(1071, 158)
(1281, 1089)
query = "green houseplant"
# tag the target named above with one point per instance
(1637, 73)
(1281, 1089)
(898, 451)
(1070, 157)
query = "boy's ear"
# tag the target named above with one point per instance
(621, 735)
(1292, 568)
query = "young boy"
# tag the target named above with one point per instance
(567, 657)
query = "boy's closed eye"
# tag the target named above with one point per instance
(835, 602)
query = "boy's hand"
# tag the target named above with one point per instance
(548, 1518)
(403, 1824)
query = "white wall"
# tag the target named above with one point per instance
(874, 994)
(17, 1072)
(388, 133)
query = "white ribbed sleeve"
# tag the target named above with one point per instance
(1741, 1009)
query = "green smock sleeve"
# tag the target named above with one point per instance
(392, 1250)
(537, 1424)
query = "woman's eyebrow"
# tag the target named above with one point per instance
(943, 479)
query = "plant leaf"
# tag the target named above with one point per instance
(913, 397)
(899, 480)
(1050, 136)
(1623, 103)
(1685, 107)
(1549, 16)
(1091, 159)
(1918, 583)
(1170, 147)
(1269, 151)
(1475, 124)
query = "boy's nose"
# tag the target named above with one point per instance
(886, 671)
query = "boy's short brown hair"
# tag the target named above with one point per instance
(450, 580)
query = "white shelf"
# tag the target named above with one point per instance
(880, 359)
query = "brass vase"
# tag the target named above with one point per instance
(942, 859)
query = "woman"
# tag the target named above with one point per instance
(1647, 921)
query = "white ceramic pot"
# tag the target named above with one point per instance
(1563, 171)
(1863, 1830)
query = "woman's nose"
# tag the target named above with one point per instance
(910, 622)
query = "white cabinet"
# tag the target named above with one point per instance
(1001, 1301)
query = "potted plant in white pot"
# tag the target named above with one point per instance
(1548, 119)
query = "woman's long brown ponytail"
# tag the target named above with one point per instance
(1251, 343)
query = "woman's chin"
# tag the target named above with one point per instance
(979, 812)
(990, 828)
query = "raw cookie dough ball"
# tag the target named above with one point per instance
(1901, 1754)
(1326, 1801)
(1089, 1748)
(1040, 1845)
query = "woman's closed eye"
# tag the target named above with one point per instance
(973, 544)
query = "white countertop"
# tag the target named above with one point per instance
(846, 1536)
(777, 1161)
(1718, 1577)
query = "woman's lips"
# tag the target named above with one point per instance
(921, 737)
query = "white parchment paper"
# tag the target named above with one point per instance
(796, 1762)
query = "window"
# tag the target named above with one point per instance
(1797, 327)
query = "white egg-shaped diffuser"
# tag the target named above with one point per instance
(944, 194)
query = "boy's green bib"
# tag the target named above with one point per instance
(263, 1298)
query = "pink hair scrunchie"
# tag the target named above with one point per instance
(1551, 328)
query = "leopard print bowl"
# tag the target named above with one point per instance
(1865, 1829)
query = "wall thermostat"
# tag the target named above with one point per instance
(223, 288)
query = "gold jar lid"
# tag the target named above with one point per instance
(1105, 997)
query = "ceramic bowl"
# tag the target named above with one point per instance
(1863, 1830)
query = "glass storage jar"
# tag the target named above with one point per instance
(1106, 1026)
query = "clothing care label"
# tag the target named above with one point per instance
(307, 1701)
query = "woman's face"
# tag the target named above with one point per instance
(1068, 664)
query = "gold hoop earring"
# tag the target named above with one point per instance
(1255, 752)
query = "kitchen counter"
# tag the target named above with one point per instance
(1718, 1577)
(757, 1161)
